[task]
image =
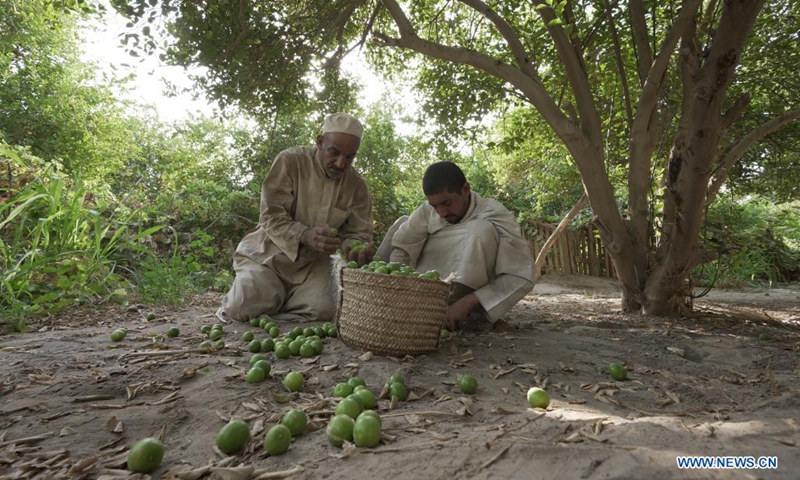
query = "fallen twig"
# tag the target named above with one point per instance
(27, 439)
(93, 398)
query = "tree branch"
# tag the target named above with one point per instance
(738, 150)
(620, 66)
(641, 40)
(509, 34)
(533, 89)
(576, 73)
(562, 225)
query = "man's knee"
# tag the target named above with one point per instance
(484, 232)
(253, 293)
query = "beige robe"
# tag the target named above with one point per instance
(275, 274)
(485, 251)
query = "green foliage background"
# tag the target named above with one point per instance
(100, 201)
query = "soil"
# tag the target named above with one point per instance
(72, 402)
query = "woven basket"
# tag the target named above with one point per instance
(390, 314)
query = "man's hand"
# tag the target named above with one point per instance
(356, 251)
(457, 313)
(320, 238)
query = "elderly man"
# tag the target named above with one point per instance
(312, 203)
(478, 239)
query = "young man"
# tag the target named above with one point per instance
(283, 267)
(478, 239)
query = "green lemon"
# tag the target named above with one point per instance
(262, 323)
(296, 421)
(306, 350)
(274, 332)
(263, 365)
(617, 372)
(255, 322)
(764, 337)
(444, 334)
(398, 390)
(216, 326)
(367, 397)
(215, 334)
(538, 398)
(277, 440)
(395, 379)
(254, 346)
(219, 344)
(355, 381)
(256, 358)
(468, 384)
(332, 332)
(360, 401)
(352, 264)
(117, 335)
(282, 351)
(248, 337)
(294, 347)
(233, 437)
(150, 316)
(267, 345)
(297, 331)
(294, 381)
(431, 275)
(255, 375)
(340, 428)
(205, 345)
(342, 390)
(371, 413)
(173, 332)
(367, 432)
(359, 388)
(145, 455)
(205, 329)
(320, 332)
(268, 326)
(317, 346)
(308, 331)
(348, 407)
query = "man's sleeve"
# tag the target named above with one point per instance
(358, 225)
(278, 193)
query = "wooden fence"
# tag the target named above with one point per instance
(576, 252)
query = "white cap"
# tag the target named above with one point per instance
(342, 123)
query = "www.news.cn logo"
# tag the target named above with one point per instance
(733, 462)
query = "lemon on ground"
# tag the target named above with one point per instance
(348, 407)
(219, 344)
(267, 345)
(150, 316)
(254, 346)
(173, 332)
(205, 329)
(538, 398)
(297, 331)
(320, 332)
(367, 432)
(370, 413)
(367, 397)
(331, 331)
(277, 439)
(355, 381)
(255, 375)
(294, 381)
(340, 428)
(117, 335)
(274, 332)
(256, 358)
(263, 365)
(468, 384)
(294, 347)
(308, 331)
(145, 455)
(204, 345)
(255, 322)
(617, 371)
(444, 334)
(233, 437)
(358, 387)
(296, 421)
(360, 401)
(306, 350)
(268, 326)
(282, 351)
(395, 379)
(214, 334)
(317, 346)
(262, 323)
(342, 390)
(764, 336)
(248, 337)
(216, 326)
(398, 390)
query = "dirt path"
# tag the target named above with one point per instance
(701, 386)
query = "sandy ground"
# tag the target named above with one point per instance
(72, 402)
